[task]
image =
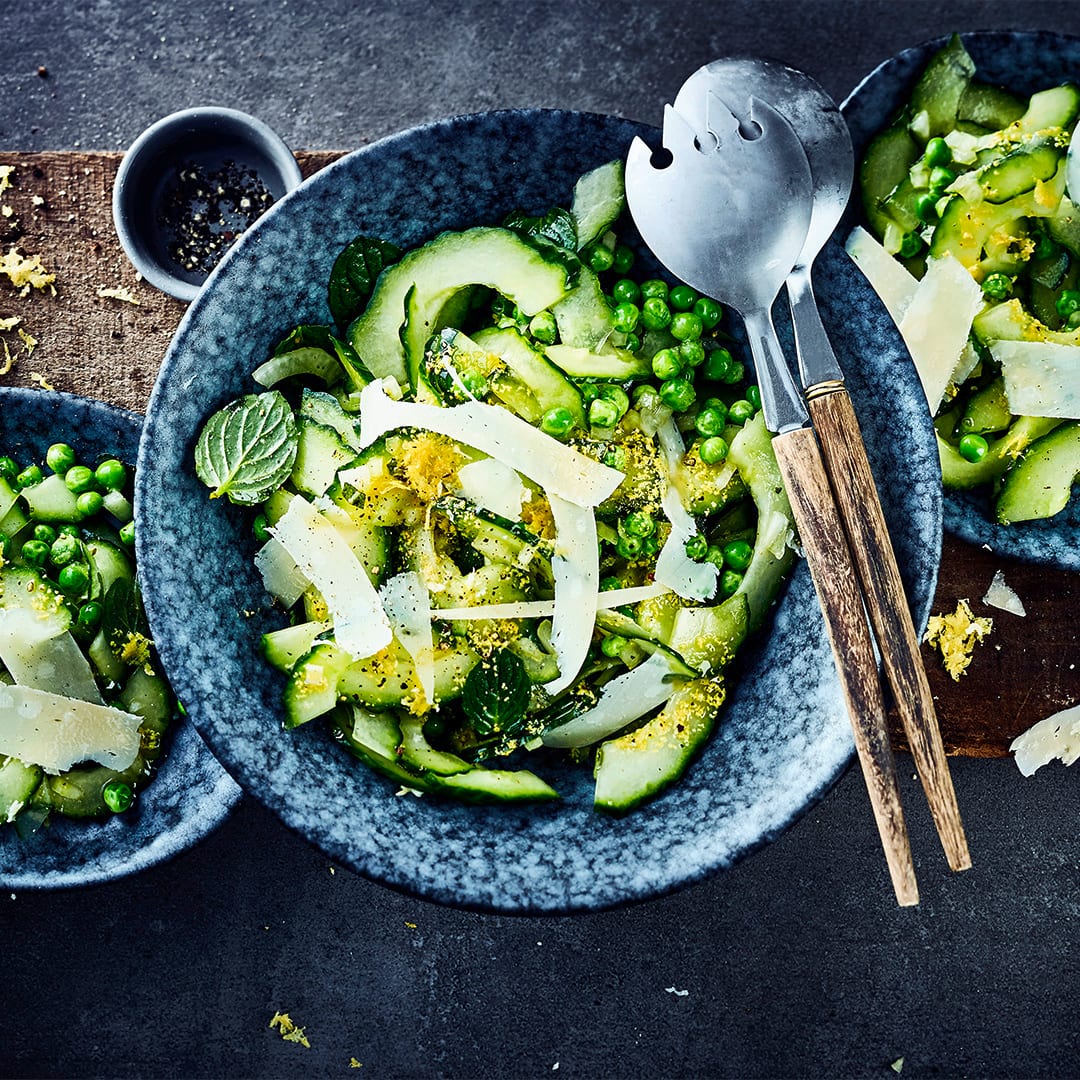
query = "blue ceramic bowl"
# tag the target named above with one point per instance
(191, 794)
(1023, 62)
(785, 738)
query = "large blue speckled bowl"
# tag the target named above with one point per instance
(785, 738)
(1023, 62)
(191, 794)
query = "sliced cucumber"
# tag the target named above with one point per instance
(940, 89)
(303, 361)
(599, 200)
(320, 452)
(583, 316)
(18, 782)
(389, 678)
(436, 272)
(51, 500)
(1056, 108)
(987, 410)
(611, 363)
(1040, 485)
(312, 689)
(325, 409)
(960, 474)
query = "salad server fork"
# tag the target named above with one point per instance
(728, 213)
(827, 143)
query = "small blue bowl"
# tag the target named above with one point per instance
(784, 738)
(157, 210)
(1023, 62)
(191, 794)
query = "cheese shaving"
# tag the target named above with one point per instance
(361, 627)
(544, 609)
(1002, 596)
(1056, 737)
(124, 294)
(955, 635)
(407, 604)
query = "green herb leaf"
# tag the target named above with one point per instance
(496, 694)
(123, 622)
(557, 225)
(247, 449)
(353, 275)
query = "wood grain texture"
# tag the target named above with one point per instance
(1028, 667)
(822, 536)
(871, 549)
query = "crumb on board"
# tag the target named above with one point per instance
(955, 636)
(354, 1064)
(897, 1065)
(7, 361)
(290, 1032)
(121, 293)
(26, 272)
(39, 379)
(1003, 596)
(6, 172)
(28, 340)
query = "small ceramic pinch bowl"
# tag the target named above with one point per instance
(191, 794)
(1023, 62)
(783, 738)
(189, 185)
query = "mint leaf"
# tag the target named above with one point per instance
(247, 449)
(353, 275)
(496, 694)
(557, 225)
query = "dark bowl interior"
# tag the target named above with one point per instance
(785, 737)
(191, 794)
(1023, 62)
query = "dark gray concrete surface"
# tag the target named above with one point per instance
(797, 962)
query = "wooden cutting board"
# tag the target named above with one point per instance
(59, 208)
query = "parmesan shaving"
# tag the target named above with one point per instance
(1056, 737)
(1042, 378)
(892, 282)
(544, 609)
(494, 486)
(407, 604)
(1002, 596)
(624, 700)
(361, 626)
(495, 431)
(282, 578)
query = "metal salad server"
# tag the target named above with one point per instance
(727, 209)
(827, 142)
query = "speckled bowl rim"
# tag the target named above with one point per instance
(1055, 541)
(483, 886)
(221, 795)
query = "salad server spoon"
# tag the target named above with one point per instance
(827, 143)
(727, 211)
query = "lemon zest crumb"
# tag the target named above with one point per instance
(26, 272)
(124, 294)
(955, 636)
(290, 1032)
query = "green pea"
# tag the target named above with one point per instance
(710, 420)
(910, 246)
(718, 364)
(626, 316)
(753, 395)
(677, 394)
(997, 286)
(118, 796)
(633, 342)
(740, 411)
(686, 326)
(590, 391)
(90, 613)
(715, 555)
(1045, 246)
(713, 450)
(937, 152)
(623, 259)
(79, 478)
(543, 328)
(1068, 302)
(667, 364)
(617, 396)
(708, 311)
(74, 578)
(730, 580)
(30, 476)
(738, 554)
(697, 547)
(693, 352)
(626, 290)
(557, 421)
(127, 534)
(638, 523)
(628, 547)
(613, 644)
(600, 258)
(940, 179)
(654, 288)
(603, 413)
(5, 547)
(68, 529)
(682, 298)
(89, 503)
(45, 533)
(260, 528)
(8, 469)
(615, 458)
(655, 313)
(60, 457)
(973, 447)
(926, 207)
(34, 553)
(736, 372)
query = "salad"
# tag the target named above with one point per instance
(515, 503)
(83, 713)
(974, 246)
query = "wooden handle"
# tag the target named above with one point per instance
(822, 537)
(853, 485)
